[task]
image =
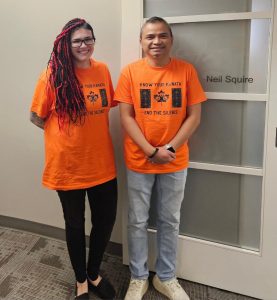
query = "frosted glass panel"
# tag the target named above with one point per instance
(230, 132)
(230, 56)
(221, 207)
(169, 8)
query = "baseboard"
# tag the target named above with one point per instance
(50, 231)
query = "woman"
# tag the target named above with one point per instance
(71, 103)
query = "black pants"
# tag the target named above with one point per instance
(103, 202)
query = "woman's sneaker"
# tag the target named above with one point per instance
(170, 288)
(137, 288)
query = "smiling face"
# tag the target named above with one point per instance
(82, 46)
(156, 42)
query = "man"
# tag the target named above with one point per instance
(160, 104)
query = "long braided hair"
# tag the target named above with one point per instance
(70, 101)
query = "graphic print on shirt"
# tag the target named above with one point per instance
(92, 97)
(97, 97)
(145, 98)
(176, 97)
(161, 97)
(104, 98)
(94, 92)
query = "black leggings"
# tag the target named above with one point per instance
(103, 202)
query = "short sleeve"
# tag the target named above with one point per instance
(123, 89)
(43, 98)
(195, 93)
(111, 90)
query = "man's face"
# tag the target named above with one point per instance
(156, 41)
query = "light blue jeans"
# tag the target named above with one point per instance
(170, 189)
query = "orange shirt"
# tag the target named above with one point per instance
(78, 156)
(160, 96)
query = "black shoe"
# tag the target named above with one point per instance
(104, 289)
(84, 296)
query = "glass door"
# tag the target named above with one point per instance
(223, 232)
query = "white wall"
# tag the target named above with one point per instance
(28, 29)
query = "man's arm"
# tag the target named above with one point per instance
(130, 125)
(35, 119)
(189, 126)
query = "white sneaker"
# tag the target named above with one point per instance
(137, 288)
(170, 288)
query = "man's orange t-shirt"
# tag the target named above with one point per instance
(78, 156)
(160, 96)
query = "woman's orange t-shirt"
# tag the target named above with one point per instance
(78, 156)
(160, 97)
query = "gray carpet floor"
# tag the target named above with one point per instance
(34, 267)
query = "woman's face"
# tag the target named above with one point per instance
(82, 46)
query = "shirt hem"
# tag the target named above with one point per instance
(155, 171)
(77, 186)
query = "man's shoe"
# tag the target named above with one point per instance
(103, 290)
(137, 288)
(170, 288)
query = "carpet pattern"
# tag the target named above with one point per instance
(34, 267)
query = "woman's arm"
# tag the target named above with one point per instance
(35, 119)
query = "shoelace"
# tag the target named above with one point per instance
(173, 284)
(136, 284)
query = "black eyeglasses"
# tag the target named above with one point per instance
(78, 43)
